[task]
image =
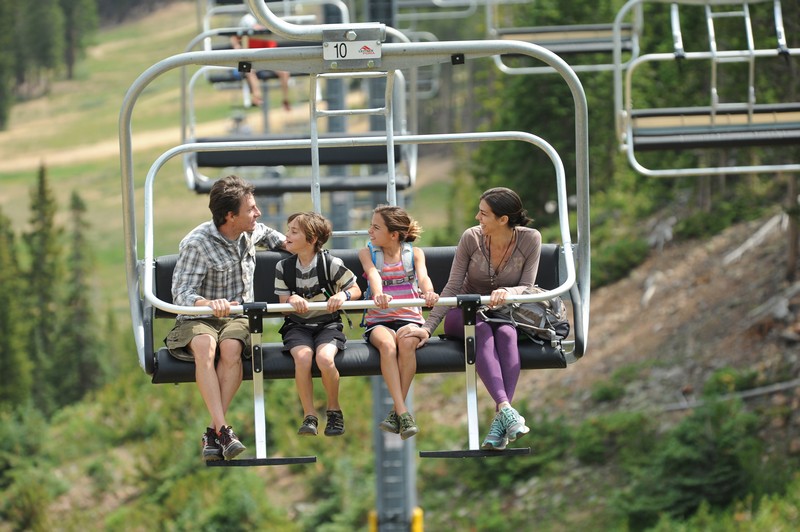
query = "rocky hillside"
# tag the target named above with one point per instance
(689, 310)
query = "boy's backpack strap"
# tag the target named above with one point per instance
(324, 274)
(290, 273)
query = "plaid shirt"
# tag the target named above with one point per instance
(212, 267)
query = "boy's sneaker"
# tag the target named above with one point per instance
(309, 426)
(514, 423)
(335, 424)
(496, 440)
(211, 448)
(390, 424)
(231, 446)
(408, 427)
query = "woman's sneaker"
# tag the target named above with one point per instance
(211, 449)
(496, 440)
(408, 427)
(390, 424)
(335, 423)
(231, 446)
(309, 426)
(514, 423)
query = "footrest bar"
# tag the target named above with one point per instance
(475, 454)
(251, 462)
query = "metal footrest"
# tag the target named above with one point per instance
(467, 453)
(252, 462)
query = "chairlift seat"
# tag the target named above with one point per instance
(440, 355)
(572, 39)
(291, 156)
(727, 126)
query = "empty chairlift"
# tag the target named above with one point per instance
(732, 117)
(582, 45)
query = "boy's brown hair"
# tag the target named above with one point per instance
(313, 225)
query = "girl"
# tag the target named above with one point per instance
(395, 270)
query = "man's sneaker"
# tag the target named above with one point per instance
(496, 440)
(231, 446)
(335, 424)
(211, 449)
(514, 423)
(390, 424)
(309, 426)
(408, 427)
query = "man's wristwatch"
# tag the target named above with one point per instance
(347, 294)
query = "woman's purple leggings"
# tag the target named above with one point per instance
(497, 355)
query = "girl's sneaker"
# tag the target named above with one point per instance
(408, 427)
(390, 424)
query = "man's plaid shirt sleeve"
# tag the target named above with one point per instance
(188, 276)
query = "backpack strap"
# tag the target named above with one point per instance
(323, 274)
(290, 274)
(407, 257)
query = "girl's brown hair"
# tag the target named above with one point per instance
(397, 219)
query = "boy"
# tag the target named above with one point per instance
(312, 275)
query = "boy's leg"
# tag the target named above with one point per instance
(330, 375)
(303, 356)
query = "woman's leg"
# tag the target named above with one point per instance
(487, 362)
(505, 344)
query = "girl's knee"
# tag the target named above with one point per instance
(408, 344)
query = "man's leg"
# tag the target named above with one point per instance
(203, 347)
(229, 371)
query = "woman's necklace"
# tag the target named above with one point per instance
(492, 270)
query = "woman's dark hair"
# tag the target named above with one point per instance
(505, 202)
(226, 196)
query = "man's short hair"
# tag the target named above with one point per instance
(226, 196)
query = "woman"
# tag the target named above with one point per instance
(498, 257)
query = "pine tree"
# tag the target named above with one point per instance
(80, 20)
(6, 61)
(78, 364)
(15, 367)
(44, 280)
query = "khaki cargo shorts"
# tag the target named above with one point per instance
(218, 328)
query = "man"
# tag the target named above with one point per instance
(215, 268)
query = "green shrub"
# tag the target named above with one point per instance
(710, 456)
(614, 260)
(605, 391)
(729, 380)
(600, 438)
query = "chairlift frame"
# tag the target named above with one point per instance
(717, 125)
(395, 56)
